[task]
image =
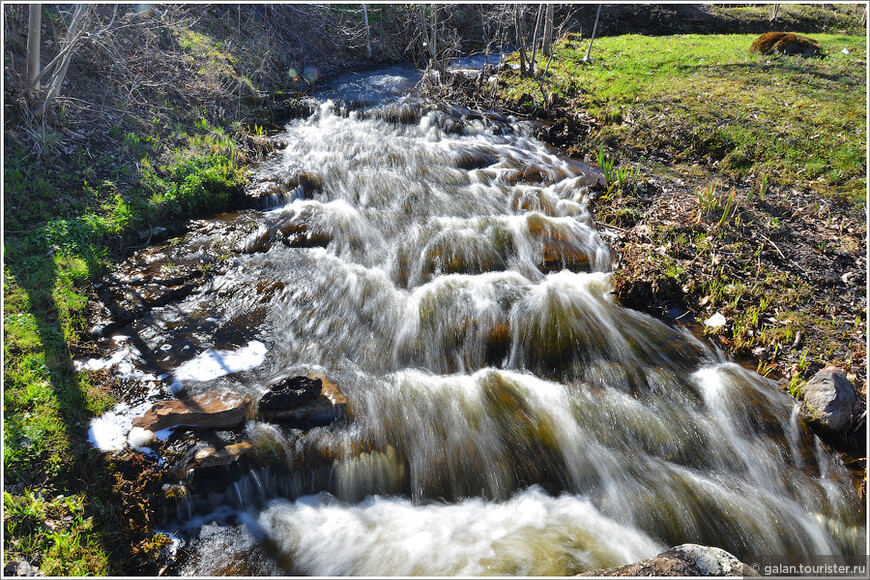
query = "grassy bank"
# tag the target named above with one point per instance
(736, 185)
(694, 100)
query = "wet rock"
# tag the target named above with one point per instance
(532, 200)
(304, 230)
(785, 43)
(206, 411)
(684, 560)
(20, 568)
(559, 255)
(325, 407)
(450, 258)
(290, 393)
(829, 400)
(475, 157)
(209, 457)
(274, 191)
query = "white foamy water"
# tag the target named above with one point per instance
(211, 364)
(109, 431)
(530, 534)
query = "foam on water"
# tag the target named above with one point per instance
(211, 364)
(530, 534)
(108, 432)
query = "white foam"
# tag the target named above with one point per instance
(96, 364)
(212, 364)
(531, 534)
(109, 431)
(139, 437)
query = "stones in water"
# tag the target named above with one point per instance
(303, 402)
(20, 568)
(829, 401)
(785, 43)
(208, 457)
(684, 560)
(290, 393)
(205, 411)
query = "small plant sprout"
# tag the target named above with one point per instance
(762, 190)
(728, 209)
(606, 166)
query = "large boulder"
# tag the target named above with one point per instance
(316, 402)
(211, 410)
(830, 401)
(684, 560)
(785, 43)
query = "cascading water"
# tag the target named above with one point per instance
(507, 417)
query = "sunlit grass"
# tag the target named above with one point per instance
(797, 120)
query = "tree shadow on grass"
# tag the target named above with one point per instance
(62, 461)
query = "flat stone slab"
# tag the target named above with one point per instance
(205, 411)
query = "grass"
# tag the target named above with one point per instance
(697, 97)
(71, 208)
(47, 274)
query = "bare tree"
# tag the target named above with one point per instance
(547, 44)
(365, 14)
(775, 12)
(538, 19)
(34, 32)
(54, 72)
(594, 30)
(430, 30)
(520, 30)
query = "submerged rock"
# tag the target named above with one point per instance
(684, 560)
(829, 400)
(210, 457)
(206, 411)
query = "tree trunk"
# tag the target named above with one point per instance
(434, 42)
(34, 31)
(533, 60)
(775, 12)
(548, 31)
(74, 34)
(429, 32)
(365, 15)
(594, 30)
(521, 39)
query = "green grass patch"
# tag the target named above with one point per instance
(64, 228)
(699, 97)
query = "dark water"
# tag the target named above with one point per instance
(508, 417)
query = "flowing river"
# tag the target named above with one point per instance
(507, 416)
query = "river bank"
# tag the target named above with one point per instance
(721, 202)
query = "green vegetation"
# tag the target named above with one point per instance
(48, 270)
(764, 157)
(702, 99)
(73, 204)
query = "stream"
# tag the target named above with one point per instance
(506, 415)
